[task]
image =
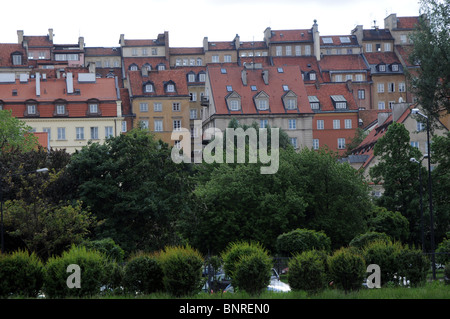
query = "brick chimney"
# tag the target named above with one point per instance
(50, 35)
(20, 36)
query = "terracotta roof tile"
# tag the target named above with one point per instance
(99, 51)
(291, 36)
(377, 34)
(185, 51)
(6, 49)
(306, 64)
(343, 62)
(375, 58)
(38, 41)
(337, 40)
(324, 92)
(158, 78)
(408, 23)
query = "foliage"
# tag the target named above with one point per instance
(131, 183)
(365, 239)
(347, 269)
(252, 272)
(21, 274)
(143, 274)
(307, 271)
(443, 252)
(234, 251)
(15, 134)
(393, 224)
(399, 176)
(431, 81)
(386, 255)
(93, 268)
(44, 229)
(414, 265)
(182, 269)
(107, 247)
(301, 240)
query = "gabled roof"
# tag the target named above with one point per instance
(291, 77)
(338, 40)
(302, 35)
(6, 49)
(403, 52)
(38, 41)
(221, 46)
(102, 51)
(375, 58)
(140, 61)
(407, 23)
(306, 63)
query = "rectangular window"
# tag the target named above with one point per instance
(31, 108)
(391, 87)
(380, 87)
(227, 58)
(176, 107)
(263, 123)
(79, 133)
(93, 108)
(320, 125)
(298, 50)
(292, 124)
(157, 107)
(338, 78)
(17, 59)
(381, 105)
(359, 78)
(48, 130)
(154, 51)
(316, 143)
(263, 104)
(61, 133)
(288, 50)
(193, 96)
(94, 133)
(108, 131)
(124, 126)
(361, 94)
(215, 59)
(191, 77)
(420, 126)
(234, 105)
(176, 125)
(193, 114)
(307, 50)
(279, 51)
(291, 104)
(348, 124)
(349, 77)
(341, 143)
(402, 87)
(336, 124)
(143, 107)
(158, 124)
(387, 47)
(294, 142)
(415, 144)
(170, 88)
(368, 47)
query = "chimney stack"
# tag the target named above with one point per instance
(265, 75)
(20, 36)
(81, 43)
(205, 44)
(50, 35)
(244, 77)
(316, 39)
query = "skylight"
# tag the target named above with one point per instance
(344, 39)
(327, 40)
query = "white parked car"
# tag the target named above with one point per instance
(275, 284)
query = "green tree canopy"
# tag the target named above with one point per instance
(15, 134)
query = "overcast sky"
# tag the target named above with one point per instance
(189, 21)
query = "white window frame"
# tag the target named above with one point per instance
(143, 107)
(109, 131)
(336, 124)
(79, 133)
(157, 107)
(315, 143)
(61, 134)
(94, 132)
(348, 123)
(176, 125)
(320, 125)
(292, 124)
(341, 143)
(158, 125)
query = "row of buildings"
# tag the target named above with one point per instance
(319, 89)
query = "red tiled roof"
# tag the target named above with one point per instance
(185, 51)
(153, 61)
(6, 49)
(291, 36)
(324, 92)
(264, 60)
(306, 64)
(92, 51)
(369, 117)
(407, 22)
(403, 52)
(343, 62)
(219, 46)
(248, 45)
(337, 40)
(291, 77)
(381, 57)
(38, 41)
(158, 78)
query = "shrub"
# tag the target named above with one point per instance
(182, 269)
(234, 252)
(363, 240)
(93, 266)
(108, 247)
(143, 274)
(307, 271)
(386, 255)
(20, 274)
(300, 240)
(447, 273)
(252, 272)
(413, 265)
(443, 252)
(347, 269)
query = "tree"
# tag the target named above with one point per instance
(399, 176)
(15, 134)
(131, 184)
(393, 224)
(431, 80)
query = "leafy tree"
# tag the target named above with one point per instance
(393, 224)
(399, 176)
(132, 185)
(431, 51)
(15, 134)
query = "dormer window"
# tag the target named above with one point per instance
(314, 102)
(31, 108)
(191, 77)
(60, 108)
(382, 68)
(93, 108)
(290, 100)
(312, 76)
(133, 67)
(17, 58)
(339, 101)
(161, 67)
(285, 88)
(148, 87)
(147, 66)
(262, 101)
(202, 77)
(394, 67)
(170, 87)
(233, 101)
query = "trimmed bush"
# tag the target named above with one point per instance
(387, 256)
(235, 251)
(21, 274)
(307, 271)
(414, 265)
(347, 269)
(363, 240)
(107, 247)
(252, 272)
(93, 267)
(300, 240)
(182, 269)
(143, 274)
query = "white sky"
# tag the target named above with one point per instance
(189, 21)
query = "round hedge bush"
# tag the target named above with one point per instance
(182, 269)
(143, 274)
(235, 251)
(347, 269)
(300, 240)
(93, 267)
(252, 272)
(21, 274)
(363, 240)
(307, 271)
